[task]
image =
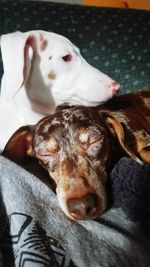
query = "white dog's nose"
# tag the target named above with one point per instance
(115, 87)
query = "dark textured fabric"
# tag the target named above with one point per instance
(131, 190)
(116, 41)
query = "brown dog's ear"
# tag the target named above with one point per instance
(143, 147)
(115, 127)
(20, 145)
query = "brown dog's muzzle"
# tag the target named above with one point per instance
(80, 192)
(83, 208)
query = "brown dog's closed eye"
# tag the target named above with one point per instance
(77, 146)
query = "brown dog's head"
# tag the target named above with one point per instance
(73, 145)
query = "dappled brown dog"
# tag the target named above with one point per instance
(78, 145)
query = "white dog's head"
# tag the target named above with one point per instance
(53, 71)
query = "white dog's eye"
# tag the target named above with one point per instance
(67, 58)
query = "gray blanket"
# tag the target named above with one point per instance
(35, 232)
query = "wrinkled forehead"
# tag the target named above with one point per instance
(67, 121)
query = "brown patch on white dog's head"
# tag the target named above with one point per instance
(52, 75)
(43, 42)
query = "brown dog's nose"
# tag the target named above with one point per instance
(83, 208)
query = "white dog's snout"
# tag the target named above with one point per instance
(115, 87)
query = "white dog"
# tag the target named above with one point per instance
(42, 70)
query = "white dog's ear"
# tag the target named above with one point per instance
(17, 54)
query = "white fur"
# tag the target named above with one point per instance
(27, 91)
